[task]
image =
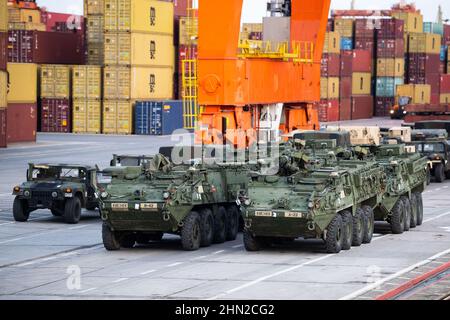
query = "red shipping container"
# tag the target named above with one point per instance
(355, 61)
(390, 29)
(45, 47)
(434, 81)
(330, 25)
(3, 115)
(435, 98)
(345, 109)
(330, 65)
(383, 106)
(423, 63)
(3, 50)
(365, 28)
(22, 122)
(345, 87)
(445, 83)
(55, 115)
(390, 48)
(446, 37)
(180, 8)
(328, 110)
(52, 19)
(365, 44)
(362, 107)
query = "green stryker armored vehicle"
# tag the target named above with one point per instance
(198, 202)
(63, 188)
(123, 160)
(312, 197)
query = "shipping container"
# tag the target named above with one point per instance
(139, 49)
(328, 110)
(94, 29)
(27, 26)
(420, 65)
(346, 44)
(138, 83)
(443, 54)
(433, 27)
(139, 16)
(365, 44)
(361, 83)
(45, 47)
(86, 116)
(3, 16)
(362, 107)
(344, 27)
(413, 21)
(386, 86)
(329, 88)
(158, 118)
(345, 109)
(445, 83)
(330, 65)
(365, 28)
(3, 134)
(23, 83)
(189, 27)
(180, 8)
(444, 98)
(55, 115)
(383, 105)
(391, 29)
(390, 67)
(433, 80)
(345, 87)
(87, 82)
(117, 117)
(424, 43)
(252, 27)
(24, 15)
(391, 48)
(355, 61)
(55, 81)
(22, 122)
(419, 94)
(3, 89)
(94, 7)
(55, 21)
(95, 54)
(332, 43)
(3, 50)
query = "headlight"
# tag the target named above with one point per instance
(104, 195)
(166, 195)
(68, 190)
(26, 193)
(54, 194)
(247, 202)
(16, 189)
(392, 111)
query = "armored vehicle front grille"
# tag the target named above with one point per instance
(42, 194)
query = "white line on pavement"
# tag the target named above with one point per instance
(175, 264)
(88, 290)
(393, 276)
(78, 227)
(238, 246)
(120, 280)
(147, 272)
(220, 251)
(437, 217)
(198, 258)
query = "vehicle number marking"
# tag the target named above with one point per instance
(119, 206)
(263, 213)
(149, 206)
(293, 215)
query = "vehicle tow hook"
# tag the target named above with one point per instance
(166, 216)
(248, 223)
(311, 226)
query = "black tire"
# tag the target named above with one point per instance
(206, 227)
(232, 228)
(220, 221)
(251, 243)
(428, 176)
(110, 238)
(21, 212)
(335, 235)
(369, 224)
(439, 173)
(397, 219)
(447, 174)
(91, 206)
(347, 220)
(72, 210)
(407, 208)
(358, 228)
(128, 240)
(190, 233)
(56, 212)
(419, 203)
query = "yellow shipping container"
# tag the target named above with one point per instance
(361, 83)
(405, 90)
(139, 16)
(13, 14)
(425, 43)
(117, 117)
(3, 15)
(87, 116)
(329, 88)
(390, 67)
(419, 93)
(3, 89)
(138, 83)
(94, 29)
(95, 7)
(30, 15)
(87, 82)
(413, 21)
(55, 81)
(27, 26)
(95, 54)
(445, 98)
(139, 49)
(332, 43)
(23, 82)
(252, 27)
(344, 27)
(189, 27)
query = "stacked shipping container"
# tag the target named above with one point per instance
(94, 21)
(3, 74)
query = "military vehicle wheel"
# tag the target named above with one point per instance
(419, 204)
(56, 212)
(397, 219)
(347, 220)
(206, 227)
(408, 214)
(110, 238)
(91, 206)
(335, 235)
(20, 210)
(413, 221)
(358, 227)
(439, 173)
(128, 240)
(369, 224)
(232, 228)
(220, 223)
(447, 174)
(72, 210)
(190, 233)
(251, 243)
(428, 176)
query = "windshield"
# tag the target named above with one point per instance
(57, 173)
(431, 148)
(103, 179)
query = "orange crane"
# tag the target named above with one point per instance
(254, 94)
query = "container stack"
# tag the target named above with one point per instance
(445, 89)
(86, 99)
(139, 58)
(24, 19)
(22, 102)
(55, 111)
(3, 69)
(94, 21)
(390, 66)
(345, 27)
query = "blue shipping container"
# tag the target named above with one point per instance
(346, 43)
(443, 53)
(387, 86)
(432, 27)
(158, 118)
